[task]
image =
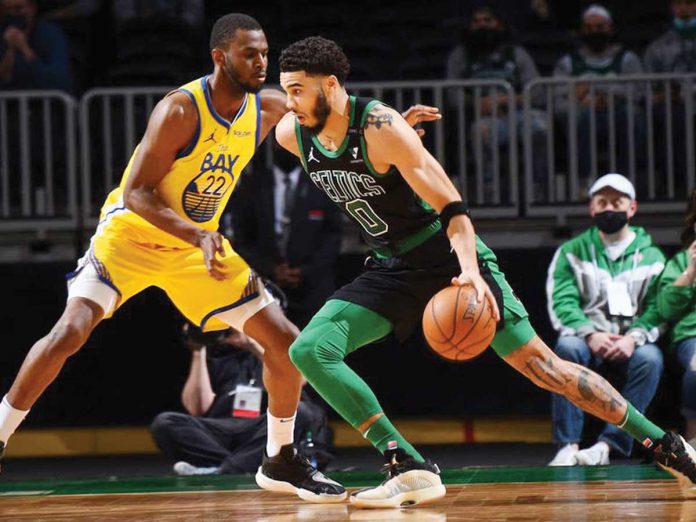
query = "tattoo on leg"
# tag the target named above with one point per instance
(584, 386)
(543, 376)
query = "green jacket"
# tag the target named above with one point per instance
(578, 278)
(677, 304)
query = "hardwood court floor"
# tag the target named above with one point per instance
(491, 494)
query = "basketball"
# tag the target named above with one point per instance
(456, 326)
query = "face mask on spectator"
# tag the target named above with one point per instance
(610, 221)
(596, 41)
(485, 38)
(684, 25)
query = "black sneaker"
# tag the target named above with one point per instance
(408, 482)
(676, 456)
(290, 472)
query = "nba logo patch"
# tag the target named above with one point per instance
(392, 445)
(647, 442)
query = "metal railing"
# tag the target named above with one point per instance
(38, 173)
(466, 141)
(112, 121)
(639, 125)
(644, 127)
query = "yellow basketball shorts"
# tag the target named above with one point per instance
(116, 268)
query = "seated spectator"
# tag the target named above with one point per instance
(597, 55)
(601, 293)
(289, 231)
(673, 52)
(676, 302)
(224, 429)
(33, 52)
(488, 54)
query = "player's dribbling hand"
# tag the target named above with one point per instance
(473, 277)
(211, 244)
(418, 113)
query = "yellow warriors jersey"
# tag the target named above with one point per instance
(202, 177)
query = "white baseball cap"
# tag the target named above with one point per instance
(617, 182)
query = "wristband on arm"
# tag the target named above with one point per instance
(452, 209)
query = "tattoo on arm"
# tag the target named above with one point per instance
(546, 374)
(378, 119)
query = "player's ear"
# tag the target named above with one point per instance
(331, 83)
(218, 57)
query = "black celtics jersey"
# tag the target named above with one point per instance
(389, 212)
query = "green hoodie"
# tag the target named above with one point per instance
(578, 277)
(677, 304)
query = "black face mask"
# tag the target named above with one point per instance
(610, 221)
(485, 38)
(597, 42)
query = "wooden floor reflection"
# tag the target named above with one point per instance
(654, 501)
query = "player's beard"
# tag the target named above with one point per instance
(236, 82)
(320, 112)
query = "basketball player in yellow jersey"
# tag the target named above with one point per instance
(159, 227)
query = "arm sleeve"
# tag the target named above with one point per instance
(673, 301)
(563, 297)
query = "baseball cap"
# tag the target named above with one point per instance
(617, 182)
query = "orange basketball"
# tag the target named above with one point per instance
(456, 326)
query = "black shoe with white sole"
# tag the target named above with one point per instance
(408, 482)
(676, 456)
(290, 472)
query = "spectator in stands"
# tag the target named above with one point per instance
(673, 52)
(224, 429)
(33, 51)
(290, 232)
(601, 291)
(676, 302)
(488, 54)
(597, 55)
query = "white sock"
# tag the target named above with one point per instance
(10, 419)
(279, 433)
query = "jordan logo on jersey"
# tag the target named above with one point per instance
(311, 156)
(210, 138)
(203, 194)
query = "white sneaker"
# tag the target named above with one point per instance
(408, 482)
(566, 456)
(186, 469)
(597, 455)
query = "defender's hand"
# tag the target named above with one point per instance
(473, 277)
(211, 244)
(420, 113)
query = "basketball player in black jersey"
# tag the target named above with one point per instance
(370, 162)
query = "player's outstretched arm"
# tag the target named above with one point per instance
(391, 141)
(272, 110)
(285, 134)
(170, 129)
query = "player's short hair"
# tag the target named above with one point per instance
(316, 56)
(226, 26)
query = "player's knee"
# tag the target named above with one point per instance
(303, 353)
(572, 348)
(67, 337)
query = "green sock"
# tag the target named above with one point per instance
(640, 428)
(382, 434)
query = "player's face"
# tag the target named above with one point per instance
(611, 199)
(306, 98)
(245, 60)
